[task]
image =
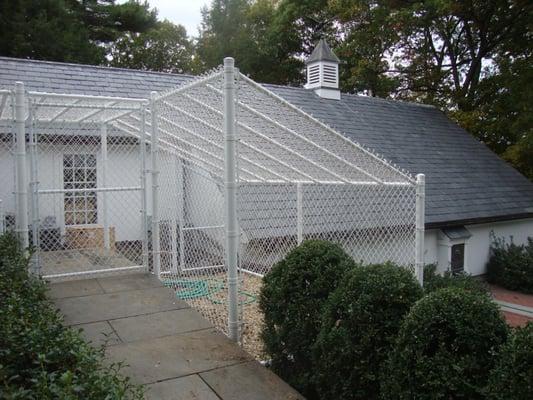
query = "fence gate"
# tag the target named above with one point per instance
(83, 181)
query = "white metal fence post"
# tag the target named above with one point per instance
(144, 189)
(181, 213)
(156, 250)
(299, 213)
(103, 149)
(21, 189)
(420, 230)
(2, 217)
(34, 184)
(174, 221)
(232, 233)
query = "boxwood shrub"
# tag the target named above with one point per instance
(511, 265)
(434, 281)
(39, 357)
(512, 378)
(291, 299)
(446, 347)
(360, 323)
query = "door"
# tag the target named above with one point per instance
(458, 258)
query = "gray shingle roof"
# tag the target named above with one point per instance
(465, 181)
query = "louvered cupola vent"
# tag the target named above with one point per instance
(323, 72)
(313, 74)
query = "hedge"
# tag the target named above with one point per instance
(446, 347)
(291, 299)
(512, 378)
(39, 357)
(434, 281)
(511, 265)
(359, 327)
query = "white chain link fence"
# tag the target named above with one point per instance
(297, 179)
(106, 198)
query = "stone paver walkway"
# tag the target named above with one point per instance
(168, 346)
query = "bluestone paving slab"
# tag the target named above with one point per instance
(152, 360)
(186, 388)
(129, 282)
(248, 381)
(165, 344)
(60, 290)
(99, 333)
(79, 310)
(159, 324)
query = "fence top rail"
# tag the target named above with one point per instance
(67, 107)
(42, 95)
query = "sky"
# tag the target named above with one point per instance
(184, 12)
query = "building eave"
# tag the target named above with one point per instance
(478, 221)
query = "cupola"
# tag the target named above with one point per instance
(323, 72)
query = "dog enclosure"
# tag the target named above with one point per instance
(207, 186)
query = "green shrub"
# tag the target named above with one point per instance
(512, 378)
(291, 299)
(511, 265)
(434, 281)
(39, 357)
(446, 347)
(361, 320)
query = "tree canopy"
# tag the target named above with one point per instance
(68, 30)
(164, 48)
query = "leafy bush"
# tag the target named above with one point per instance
(361, 320)
(291, 299)
(39, 357)
(511, 265)
(434, 281)
(446, 347)
(512, 378)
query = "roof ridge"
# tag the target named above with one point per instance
(102, 67)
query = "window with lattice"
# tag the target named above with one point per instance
(79, 176)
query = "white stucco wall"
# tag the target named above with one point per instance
(430, 247)
(478, 245)
(123, 170)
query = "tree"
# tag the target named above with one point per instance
(68, 30)
(106, 20)
(445, 46)
(503, 115)
(369, 36)
(224, 33)
(164, 48)
(44, 30)
(246, 31)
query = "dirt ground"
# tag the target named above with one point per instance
(208, 296)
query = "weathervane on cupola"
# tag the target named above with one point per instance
(323, 72)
